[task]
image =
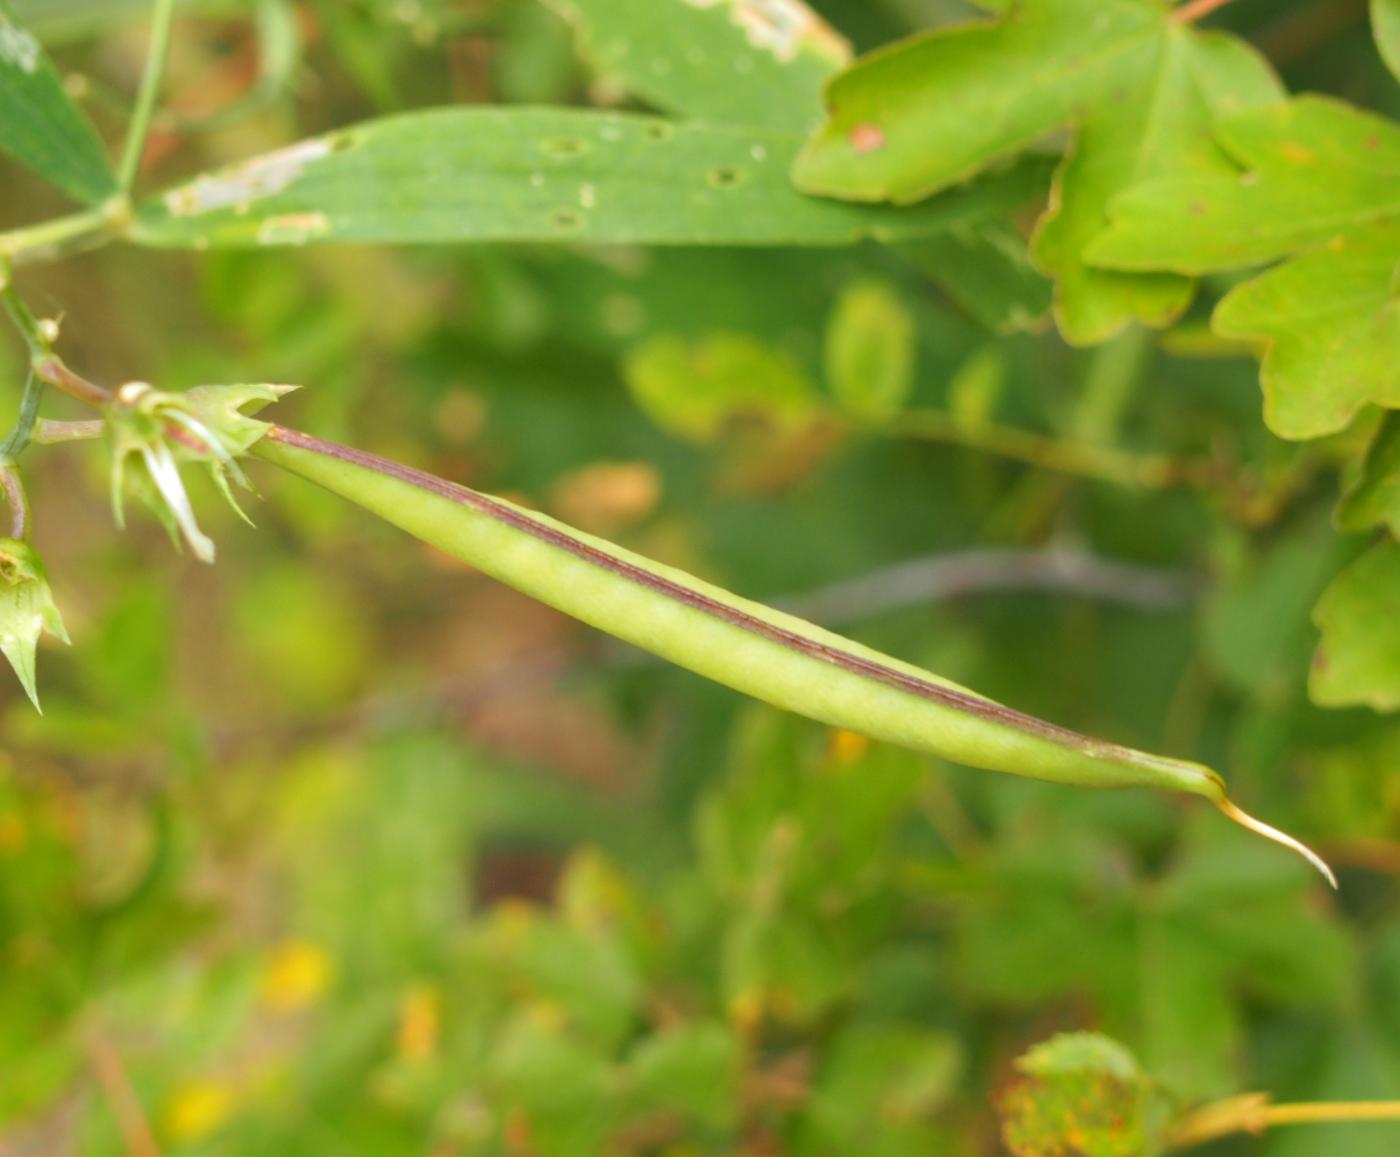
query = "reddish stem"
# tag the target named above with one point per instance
(1194, 10)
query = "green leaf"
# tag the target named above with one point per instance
(1080, 1095)
(1385, 20)
(1160, 127)
(917, 117)
(692, 1070)
(564, 1091)
(1313, 175)
(585, 975)
(699, 391)
(1255, 632)
(742, 62)
(1330, 324)
(1358, 660)
(520, 174)
(987, 270)
(896, 1074)
(1308, 171)
(1374, 498)
(40, 127)
(870, 351)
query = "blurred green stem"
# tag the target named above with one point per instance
(1152, 471)
(64, 236)
(140, 124)
(1252, 1113)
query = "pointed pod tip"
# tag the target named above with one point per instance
(1259, 827)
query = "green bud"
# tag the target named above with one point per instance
(156, 432)
(27, 609)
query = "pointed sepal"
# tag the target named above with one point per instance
(152, 433)
(27, 610)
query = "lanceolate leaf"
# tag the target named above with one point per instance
(743, 62)
(1358, 660)
(1385, 19)
(39, 126)
(1160, 127)
(560, 175)
(915, 118)
(1312, 175)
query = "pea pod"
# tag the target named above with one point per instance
(764, 653)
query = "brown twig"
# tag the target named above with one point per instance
(939, 577)
(138, 1138)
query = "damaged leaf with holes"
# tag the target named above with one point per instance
(1081, 1095)
(738, 62)
(556, 175)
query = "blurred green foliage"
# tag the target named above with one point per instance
(337, 848)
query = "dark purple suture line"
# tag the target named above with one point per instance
(484, 504)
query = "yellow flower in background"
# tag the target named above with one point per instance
(13, 834)
(295, 976)
(847, 746)
(197, 1109)
(420, 1015)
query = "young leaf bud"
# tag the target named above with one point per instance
(27, 610)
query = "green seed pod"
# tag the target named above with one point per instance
(764, 653)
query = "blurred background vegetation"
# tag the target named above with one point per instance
(341, 848)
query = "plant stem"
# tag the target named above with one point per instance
(18, 438)
(46, 365)
(138, 1138)
(50, 433)
(53, 371)
(1153, 471)
(1252, 1113)
(65, 236)
(1194, 10)
(140, 123)
(13, 487)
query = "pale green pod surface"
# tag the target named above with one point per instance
(761, 652)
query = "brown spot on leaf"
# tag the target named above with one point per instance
(867, 138)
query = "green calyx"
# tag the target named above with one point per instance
(158, 431)
(27, 610)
